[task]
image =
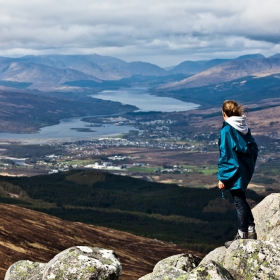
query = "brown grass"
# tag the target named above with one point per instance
(27, 234)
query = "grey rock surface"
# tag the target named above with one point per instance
(209, 270)
(25, 270)
(84, 263)
(173, 267)
(217, 255)
(267, 218)
(253, 259)
(80, 262)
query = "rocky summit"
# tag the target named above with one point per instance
(245, 259)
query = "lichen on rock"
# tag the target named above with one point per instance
(267, 218)
(25, 270)
(253, 259)
(217, 255)
(173, 267)
(210, 271)
(81, 262)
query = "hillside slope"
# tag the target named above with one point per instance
(42, 74)
(229, 71)
(194, 67)
(23, 112)
(155, 210)
(27, 234)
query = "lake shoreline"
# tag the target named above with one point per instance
(76, 129)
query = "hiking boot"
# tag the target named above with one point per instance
(252, 232)
(252, 235)
(237, 236)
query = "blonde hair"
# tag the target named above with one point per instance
(232, 108)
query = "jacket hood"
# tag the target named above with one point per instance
(239, 123)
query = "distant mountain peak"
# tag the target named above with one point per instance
(277, 55)
(250, 65)
(251, 56)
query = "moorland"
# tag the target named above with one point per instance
(158, 180)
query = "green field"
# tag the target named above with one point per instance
(142, 169)
(204, 169)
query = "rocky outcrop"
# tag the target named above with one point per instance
(244, 259)
(249, 259)
(187, 267)
(25, 270)
(217, 255)
(267, 218)
(252, 259)
(81, 262)
(209, 270)
(173, 267)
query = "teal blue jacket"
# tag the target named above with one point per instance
(238, 155)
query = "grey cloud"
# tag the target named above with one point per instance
(142, 29)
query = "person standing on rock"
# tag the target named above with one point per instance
(238, 155)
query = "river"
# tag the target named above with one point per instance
(64, 131)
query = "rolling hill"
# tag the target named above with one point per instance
(228, 71)
(247, 89)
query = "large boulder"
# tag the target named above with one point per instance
(173, 267)
(185, 267)
(267, 218)
(25, 270)
(81, 262)
(253, 259)
(248, 259)
(217, 255)
(208, 270)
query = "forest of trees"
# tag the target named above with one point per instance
(196, 218)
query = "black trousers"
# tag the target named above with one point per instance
(244, 213)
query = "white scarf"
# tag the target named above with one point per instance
(239, 123)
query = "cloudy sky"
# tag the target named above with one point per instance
(164, 32)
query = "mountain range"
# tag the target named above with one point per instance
(230, 70)
(58, 71)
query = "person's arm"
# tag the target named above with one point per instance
(228, 166)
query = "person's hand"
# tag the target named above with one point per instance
(221, 185)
